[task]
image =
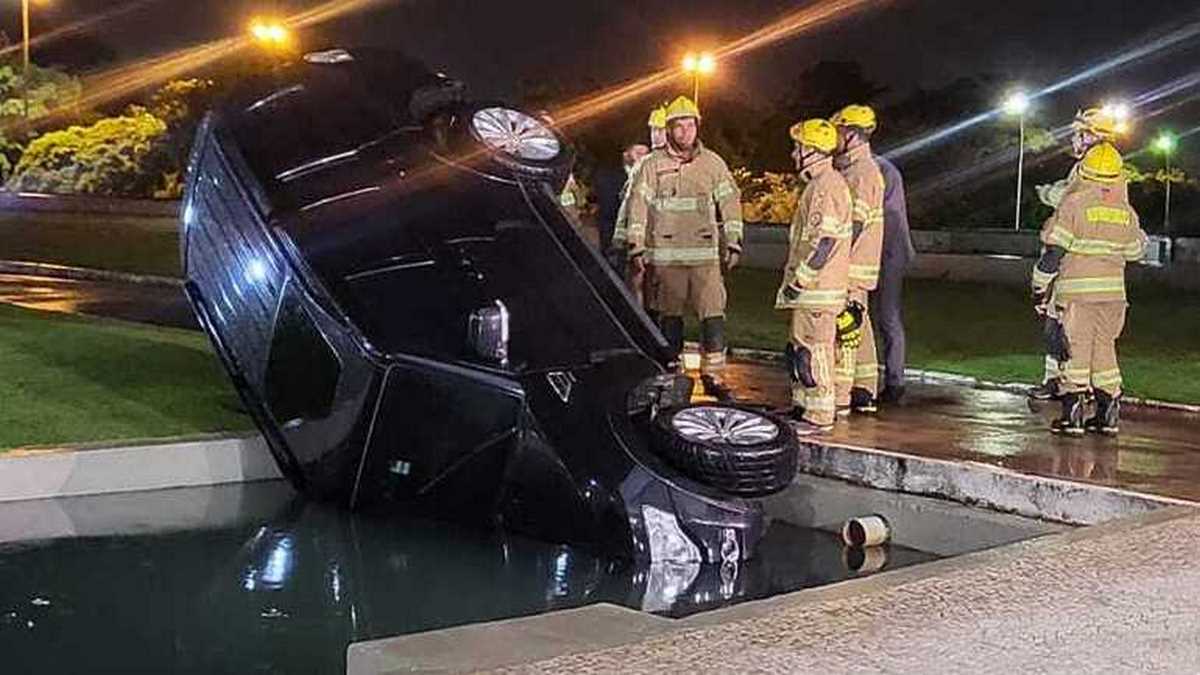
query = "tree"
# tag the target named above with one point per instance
(117, 156)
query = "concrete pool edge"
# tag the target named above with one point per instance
(522, 643)
(93, 470)
(977, 484)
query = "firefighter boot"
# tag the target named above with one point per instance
(1071, 422)
(712, 358)
(861, 401)
(672, 330)
(1046, 391)
(1107, 420)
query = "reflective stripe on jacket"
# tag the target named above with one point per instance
(1100, 233)
(679, 212)
(822, 211)
(865, 181)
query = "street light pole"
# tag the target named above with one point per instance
(25, 55)
(1165, 143)
(1018, 104)
(1020, 169)
(1167, 201)
(698, 65)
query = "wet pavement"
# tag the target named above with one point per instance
(144, 303)
(253, 578)
(1158, 451)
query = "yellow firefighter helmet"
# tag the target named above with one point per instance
(816, 133)
(682, 107)
(1102, 163)
(658, 117)
(860, 116)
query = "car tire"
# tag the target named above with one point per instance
(520, 142)
(736, 449)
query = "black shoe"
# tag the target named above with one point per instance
(1107, 420)
(1071, 421)
(861, 401)
(891, 394)
(1046, 391)
(716, 388)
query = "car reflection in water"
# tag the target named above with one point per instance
(290, 588)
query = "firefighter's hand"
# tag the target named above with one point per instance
(637, 264)
(732, 258)
(787, 296)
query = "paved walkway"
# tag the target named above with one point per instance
(144, 303)
(1110, 599)
(1158, 451)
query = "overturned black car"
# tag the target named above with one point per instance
(385, 271)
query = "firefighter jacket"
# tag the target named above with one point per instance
(621, 227)
(865, 180)
(680, 210)
(1099, 232)
(571, 201)
(822, 212)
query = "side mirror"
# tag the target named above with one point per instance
(487, 332)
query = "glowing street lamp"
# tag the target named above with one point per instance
(1121, 114)
(270, 33)
(1017, 104)
(703, 63)
(1165, 145)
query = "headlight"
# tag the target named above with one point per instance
(667, 540)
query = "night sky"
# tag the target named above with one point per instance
(903, 43)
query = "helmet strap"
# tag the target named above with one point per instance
(813, 163)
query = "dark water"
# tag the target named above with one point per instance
(247, 579)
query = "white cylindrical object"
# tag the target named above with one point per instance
(866, 531)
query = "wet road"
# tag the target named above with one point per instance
(144, 303)
(1158, 451)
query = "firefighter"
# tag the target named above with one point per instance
(1090, 127)
(637, 279)
(858, 368)
(816, 275)
(1088, 241)
(685, 219)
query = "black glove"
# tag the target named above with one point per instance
(791, 292)
(1039, 301)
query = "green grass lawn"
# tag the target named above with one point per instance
(73, 379)
(122, 243)
(990, 332)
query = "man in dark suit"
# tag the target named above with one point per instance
(886, 303)
(610, 184)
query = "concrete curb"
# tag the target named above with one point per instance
(84, 273)
(940, 377)
(981, 485)
(82, 470)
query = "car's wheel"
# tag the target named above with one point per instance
(738, 450)
(521, 142)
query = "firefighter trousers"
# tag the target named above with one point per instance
(813, 336)
(701, 289)
(858, 368)
(1092, 330)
